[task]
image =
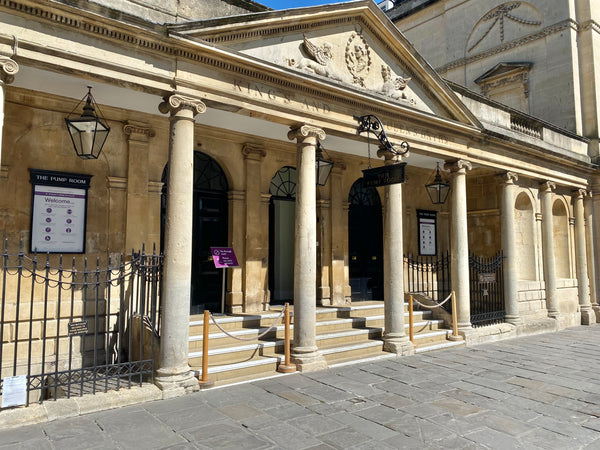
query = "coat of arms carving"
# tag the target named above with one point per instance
(358, 58)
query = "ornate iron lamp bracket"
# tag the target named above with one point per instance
(371, 124)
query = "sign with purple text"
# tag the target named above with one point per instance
(224, 257)
(59, 206)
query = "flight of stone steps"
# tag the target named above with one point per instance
(344, 334)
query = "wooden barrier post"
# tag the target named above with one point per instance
(454, 316)
(287, 366)
(411, 333)
(203, 382)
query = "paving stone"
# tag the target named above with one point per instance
(31, 444)
(240, 412)
(549, 440)
(364, 426)
(456, 407)
(71, 427)
(22, 434)
(316, 424)
(392, 400)
(496, 440)
(288, 412)
(326, 393)
(298, 398)
(221, 436)
(578, 432)
(344, 438)
(285, 436)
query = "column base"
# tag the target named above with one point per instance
(588, 316)
(309, 362)
(176, 385)
(596, 309)
(513, 320)
(400, 346)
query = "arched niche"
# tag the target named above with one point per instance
(560, 234)
(525, 237)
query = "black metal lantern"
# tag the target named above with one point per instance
(88, 132)
(322, 166)
(438, 189)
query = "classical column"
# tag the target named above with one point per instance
(591, 249)
(587, 314)
(8, 70)
(173, 375)
(549, 259)
(595, 196)
(305, 352)
(395, 339)
(339, 235)
(137, 216)
(459, 241)
(509, 247)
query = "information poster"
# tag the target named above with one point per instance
(59, 207)
(427, 233)
(14, 391)
(224, 257)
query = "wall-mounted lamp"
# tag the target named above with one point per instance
(438, 189)
(88, 133)
(322, 166)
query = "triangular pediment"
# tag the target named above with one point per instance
(504, 69)
(351, 45)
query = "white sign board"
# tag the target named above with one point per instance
(427, 233)
(59, 212)
(14, 391)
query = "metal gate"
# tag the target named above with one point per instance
(487, 289)
(69, 328)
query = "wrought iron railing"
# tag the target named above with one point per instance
(70, 327)
(429, 275)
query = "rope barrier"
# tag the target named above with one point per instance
(437, 305)
(272, 327)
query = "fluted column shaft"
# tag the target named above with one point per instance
(305, 351)
(459, 241)
(173, 374)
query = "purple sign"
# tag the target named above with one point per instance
(224, 257)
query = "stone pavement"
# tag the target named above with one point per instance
(537, 392)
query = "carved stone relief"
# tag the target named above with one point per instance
(495, 22)
(358, 58)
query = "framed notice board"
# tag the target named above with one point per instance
(58, 211)
(427, 232)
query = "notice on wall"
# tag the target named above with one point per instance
(59, 207)
(14, 391)
(427, 233)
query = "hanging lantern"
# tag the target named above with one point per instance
(438, 189)
(322, 166)
(88, 133)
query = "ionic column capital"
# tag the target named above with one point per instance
(547, 186)
(459, 165)
(8, 69)
(579, 193)
(253, 151)
(508, 178)
(304, 131)
(389, 156)
(178, 102)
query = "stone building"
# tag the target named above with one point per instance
(216, 115)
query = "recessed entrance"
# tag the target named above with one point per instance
(365, 242)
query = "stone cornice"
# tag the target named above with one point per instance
(553, 29)
(133, 128)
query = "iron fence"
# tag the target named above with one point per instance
(429, 275)
(487, 289)
(72, 328)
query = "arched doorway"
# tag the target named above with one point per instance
(210, 229)
(365, 242)
(282, 220)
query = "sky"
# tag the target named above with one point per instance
(284, 4)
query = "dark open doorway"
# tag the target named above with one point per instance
(365, 242)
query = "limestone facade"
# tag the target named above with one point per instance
(214, 127)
